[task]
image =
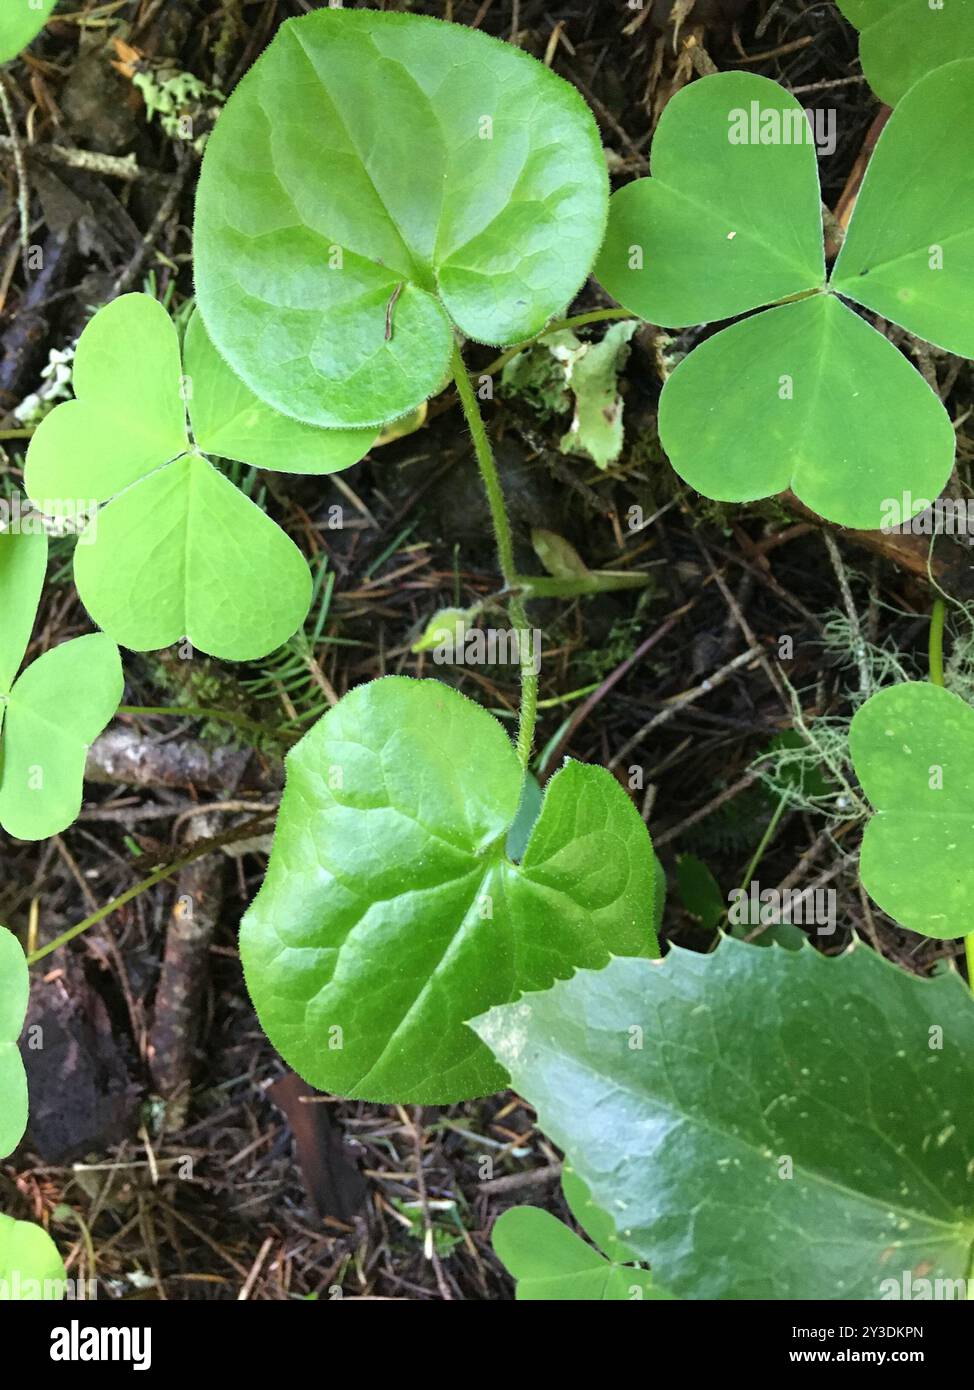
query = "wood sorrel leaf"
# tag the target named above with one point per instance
(230, 421)
(375, 179)
(23, 564)
(901, 40)
(30, 1266)
(770, 1161)
(14, 989)
(827, 407)
(726, 223)
(55, 710)
(390, 912)
(20, 22)
(178, 551)
(917, 267)
(822, 406)
(219, 572)
(912, 746)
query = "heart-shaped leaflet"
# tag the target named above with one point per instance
(53, 712)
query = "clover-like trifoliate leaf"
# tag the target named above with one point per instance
(826, 407)
(31, 1268)
(54, 711)
(20, 22)
(376, 179)
(762, 1124)
(230, 421)
(14, 990)
(902, 40)
(177, 551)
(806, 395)
(917, 266)
(725, 224)
(391, 912)
(912, 746)
(549, 1261)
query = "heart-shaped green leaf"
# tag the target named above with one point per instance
(827, 407)
(177, 551)
(913, 750)
(722, 226)
(374, 180)
(806, 395)
(186, 554)
(391, 913)
(824, 1152)
(917, 267)
(20, 22)
(23, 564)
(14, 990)
(51, 715)
(31, 1269)
(902, 40)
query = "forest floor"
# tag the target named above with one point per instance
(720, 692)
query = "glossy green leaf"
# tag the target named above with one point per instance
(55, 711)
(23, 564)
(20, 23)
(827, 407)
(902, 40)
(917, 267)
(721, 227)
(824, 1152)
(374, 180)
(186, 554)
(391, 914)
(31, 1268)
(14, 990)
(177, 551)
(913, 750)
(230, 421)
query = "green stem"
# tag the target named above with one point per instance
(197, 712)
(243, 832)
(766, 839)
(505, 552)
(936, 646)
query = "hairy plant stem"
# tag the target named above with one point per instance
(936, 658)
(505, 552)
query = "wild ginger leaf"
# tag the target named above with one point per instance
(391, 913)
(912, 746)
(55, 710)
(376, 179)
(20, 23)
(902, 40)
(762, 1124)
(14, 990)
(176, 551)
